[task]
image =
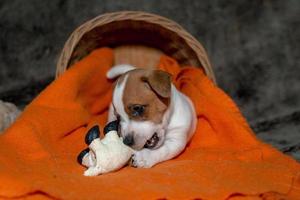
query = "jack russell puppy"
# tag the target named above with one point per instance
(155, 119)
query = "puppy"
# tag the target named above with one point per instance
(155, 119)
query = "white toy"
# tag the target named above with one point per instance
(104, 155)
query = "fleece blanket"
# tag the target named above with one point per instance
(224, 159)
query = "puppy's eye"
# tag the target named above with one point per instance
(137, 110)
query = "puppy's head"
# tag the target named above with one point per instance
(141, 99)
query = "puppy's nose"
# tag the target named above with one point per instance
(128, 140)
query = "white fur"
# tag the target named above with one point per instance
(179, 130)
(117, 99)
(118, 70)
(177, 127)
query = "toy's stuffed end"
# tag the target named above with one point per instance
(104, 155)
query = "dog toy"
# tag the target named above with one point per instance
(8, 114)
(104, 155)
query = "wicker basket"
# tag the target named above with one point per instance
(138, 38)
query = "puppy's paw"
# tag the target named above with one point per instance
(143, 159)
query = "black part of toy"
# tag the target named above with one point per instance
(92, 134)
(82, 154)
(111, 126)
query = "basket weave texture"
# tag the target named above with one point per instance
(134, 28)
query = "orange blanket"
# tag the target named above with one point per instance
(224, 160)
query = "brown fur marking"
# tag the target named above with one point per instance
(140, 91)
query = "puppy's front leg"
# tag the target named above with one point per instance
(173, 145)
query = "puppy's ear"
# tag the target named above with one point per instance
(160, 82)
(118, 70)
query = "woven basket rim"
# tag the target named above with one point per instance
(151, 18)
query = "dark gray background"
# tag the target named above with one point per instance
(253, 46)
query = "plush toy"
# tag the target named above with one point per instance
(104, 155)
(8, 114)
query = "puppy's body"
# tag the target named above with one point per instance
(152, 114)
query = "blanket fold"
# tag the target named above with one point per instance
(224, 159)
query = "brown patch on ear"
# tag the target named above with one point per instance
(160, 82)
(138, 91)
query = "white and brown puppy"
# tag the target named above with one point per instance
(156, 120)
